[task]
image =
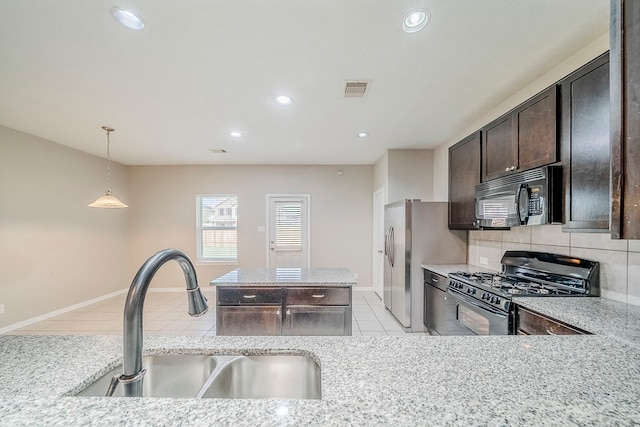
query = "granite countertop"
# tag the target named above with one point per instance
(424, 380)
(599, 316)
(392, 380)
(286, 276)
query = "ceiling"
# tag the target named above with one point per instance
(203, 68)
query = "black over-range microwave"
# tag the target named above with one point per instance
(532, 197)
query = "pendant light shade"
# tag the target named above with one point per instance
(108, 201)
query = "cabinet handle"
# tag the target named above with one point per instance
(288, 312)
(550, 332)
(506, 169)
(278, 312)
(512, 168)
(434, 279)
(318, 295)
(249, 296)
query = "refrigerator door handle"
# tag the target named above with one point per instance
(386, 245)
(391, 246)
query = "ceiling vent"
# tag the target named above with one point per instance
(218, 151)
(355, 89)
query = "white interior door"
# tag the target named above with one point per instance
(378, 242)
(288, 240)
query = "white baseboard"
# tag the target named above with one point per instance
(61, 311)
(86, 303)
(362, 288)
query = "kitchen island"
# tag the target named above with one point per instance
(403, 381)
(284, 301)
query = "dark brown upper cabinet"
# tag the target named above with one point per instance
(464, 175)
(625, 119)
(524, 138)
(586, 147)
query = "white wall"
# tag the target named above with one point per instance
(163, 214)
(405, 174)
(54, 250)
(381, 175)
(410, 175)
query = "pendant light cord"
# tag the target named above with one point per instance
(108, 162)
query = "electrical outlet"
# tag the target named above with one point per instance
(484, 260)
(1, 308)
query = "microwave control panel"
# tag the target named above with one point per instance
(535, 201)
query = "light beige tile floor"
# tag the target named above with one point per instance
(165, 313)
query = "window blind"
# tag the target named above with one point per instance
(288, 225)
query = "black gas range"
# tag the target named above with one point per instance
(482, 302)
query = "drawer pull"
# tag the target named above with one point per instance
(249, 296)
(434, 279)
(318, 295)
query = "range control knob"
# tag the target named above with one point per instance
(472, 291)
(497, 300)
(493, 299)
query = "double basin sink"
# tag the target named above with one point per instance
(272, 376)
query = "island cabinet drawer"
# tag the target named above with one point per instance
(318, 296)
(249, 296)
(532, 323)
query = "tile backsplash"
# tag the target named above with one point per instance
(619, 259)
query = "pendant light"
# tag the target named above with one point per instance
(108, 201)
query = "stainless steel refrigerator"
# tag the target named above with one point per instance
(416, 233)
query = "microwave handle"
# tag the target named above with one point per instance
(522, 203)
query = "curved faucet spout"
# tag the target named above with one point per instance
(133, 373)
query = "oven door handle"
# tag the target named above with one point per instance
(474, 303)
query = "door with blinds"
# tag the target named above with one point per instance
(288, 231)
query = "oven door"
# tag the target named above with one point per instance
(476, 318)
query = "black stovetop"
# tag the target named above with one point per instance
(528, 273)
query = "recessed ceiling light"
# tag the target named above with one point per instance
(415, 20)
(283, 100)
(363, 134)
(128, 19)
(236, 134)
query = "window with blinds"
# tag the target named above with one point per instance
(217, 228)
(288, 227)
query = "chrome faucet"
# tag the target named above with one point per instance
(133, 372)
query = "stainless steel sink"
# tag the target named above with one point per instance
(225, 376)
(267, 377)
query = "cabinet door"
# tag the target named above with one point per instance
(499, 148)
(586, 147)
(314, 320)
(464, 175)
(535, 123)
(625, 119)
(249, 320)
